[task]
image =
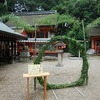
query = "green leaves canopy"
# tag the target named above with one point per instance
(81, 9)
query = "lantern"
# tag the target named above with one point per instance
(60, 45)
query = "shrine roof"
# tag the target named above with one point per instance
(34, 13)
(5, 30)
(33, 18)
(95, 31)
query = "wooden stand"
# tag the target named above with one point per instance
(34, 76)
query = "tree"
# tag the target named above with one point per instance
(66, 25)
(81, 9)
(33, 5)
(3, 8)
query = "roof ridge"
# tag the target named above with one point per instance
(35, 13)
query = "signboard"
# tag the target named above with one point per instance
(35, 69)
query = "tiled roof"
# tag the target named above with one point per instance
(34, 13)
(32, 17)
(94, 31)
(5, 30)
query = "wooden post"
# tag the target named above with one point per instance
(79, 54)
(11, 51)
(15, 49)
(34, 76)
(45, 81)
(84, 36)
(35, 40)
(28, 89)
(35, 83)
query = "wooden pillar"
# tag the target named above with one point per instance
(45, 81)
(2, 51)
(32, 35)
(95, 44)
(28, 89)
(35, 83)
(12, 50)
(92, 44)
(7, 47)
(44, 33)
(3, 48)
(15, 49)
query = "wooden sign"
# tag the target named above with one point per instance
(35, 69)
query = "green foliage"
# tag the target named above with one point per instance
(47, 20)
(93, 24)
(32, 5)
(70, 39)
(5, 18)
(84, 72)
(3, 9)
(75, 31)
(81, 9)
(55, 19)
(17, 21)
(10, 4)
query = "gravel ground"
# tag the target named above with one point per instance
(13, 85)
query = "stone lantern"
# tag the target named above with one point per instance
(59, 47)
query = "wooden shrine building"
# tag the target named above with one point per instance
(8, 41)
(37, 38)
(94, 34)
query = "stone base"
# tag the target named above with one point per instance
(59, 65)
(24, 59)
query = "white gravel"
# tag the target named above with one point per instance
(13, 85)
